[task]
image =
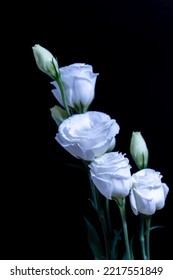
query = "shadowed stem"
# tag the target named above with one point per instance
(101, 215)
(142, 239)
(95, 197)
(60, 84)
(108, 216)
(148, 223)
(121, 204)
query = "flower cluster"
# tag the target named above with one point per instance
(90, 136)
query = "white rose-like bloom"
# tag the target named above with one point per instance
(87, 135)
(148, 193)
(111, 175)
(79, 83)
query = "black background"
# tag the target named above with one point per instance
(129, 43)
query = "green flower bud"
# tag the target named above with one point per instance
(139, 150)
(58, 114)
(45, 61)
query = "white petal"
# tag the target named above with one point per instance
(102, 186)
(133, 203)
(57, 93)
(144, 202)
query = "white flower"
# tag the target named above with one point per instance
(87, 135)
(111, 175)
(139, 150)
(79, 83)
(148, 193)
(45, 61)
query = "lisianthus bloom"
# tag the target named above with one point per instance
(148, 193)
(87, 135)
(139, 150)
(111, 175)
(79, 83)
(45, 61)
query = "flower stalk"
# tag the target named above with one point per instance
(63, 94)
(101, 215)
(142, 237)
(121, 205)
(148, 223)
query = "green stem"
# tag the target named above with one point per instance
(95, 196)
(60, 84)
(121, 205)
(100, 212)
(142, 239)
(148, 223)
(108, 216)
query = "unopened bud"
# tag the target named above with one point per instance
(139, 150)
(45, 61)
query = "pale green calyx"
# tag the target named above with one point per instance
(58, 114)
(139, 150)
(45, 61)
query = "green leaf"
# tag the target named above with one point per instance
(93, 205)
(131, 248)
(125, 256)
(114, 247)
(151, 228)
(94, 241)
(58, 114)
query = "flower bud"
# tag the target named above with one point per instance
(45, 61)
(139, 150)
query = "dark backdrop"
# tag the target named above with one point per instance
(129, 43)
